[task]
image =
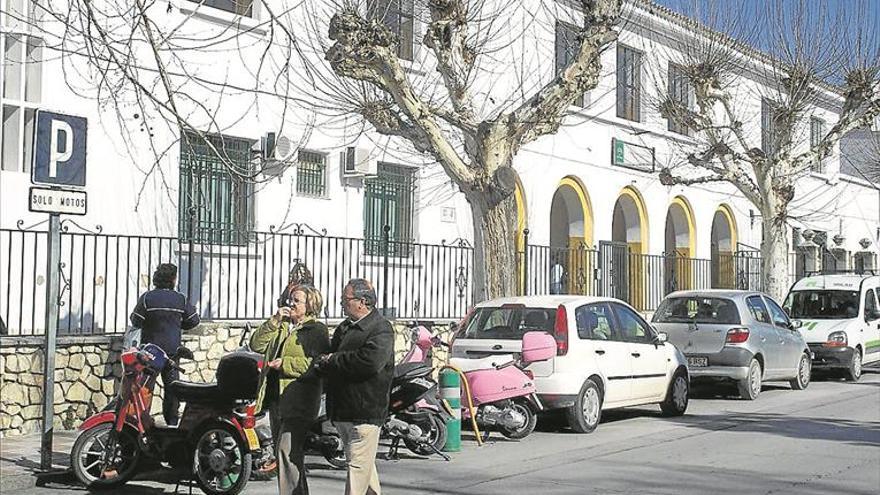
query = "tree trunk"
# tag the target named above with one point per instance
(495, 264)
(774, 251)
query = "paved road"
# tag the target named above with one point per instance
(824, 440)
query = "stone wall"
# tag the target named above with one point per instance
(87, 372)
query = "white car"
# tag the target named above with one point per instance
(840, 319)
(607, 355)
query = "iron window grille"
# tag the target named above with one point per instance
(568, 43)
(311, 173)
(768, 125)
(680, 96)
(817, 132)
(629, 83)
(216, 195)
(398, 16)
(388, 200)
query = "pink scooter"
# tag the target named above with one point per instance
(504, 395)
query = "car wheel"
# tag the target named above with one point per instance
(802, 379)
(585, 413)
(750, 387)
(676, 402)
(854, 371)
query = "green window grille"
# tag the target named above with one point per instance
(817, 133)
(310, 173)
(568, 43)
(216, 198)
(399, 17)
(388, 200)
(629, 83)
(680, 94)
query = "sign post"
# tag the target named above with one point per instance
(60, 163)
(52, 303)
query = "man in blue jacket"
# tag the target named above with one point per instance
(161, 314)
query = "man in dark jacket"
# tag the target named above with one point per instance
(161, 314)
(358, 383)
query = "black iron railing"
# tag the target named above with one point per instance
(102, 276)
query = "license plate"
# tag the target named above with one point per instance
(253, 441)
(698, 362)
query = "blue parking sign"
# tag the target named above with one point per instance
(59, 150)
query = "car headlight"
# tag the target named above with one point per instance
(836, 339)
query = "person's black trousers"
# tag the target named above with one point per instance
(170, 404)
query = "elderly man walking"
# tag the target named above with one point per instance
(358, 374)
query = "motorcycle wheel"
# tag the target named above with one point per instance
(221, 461)
(85, 457)
(528, 427)
(436, 436)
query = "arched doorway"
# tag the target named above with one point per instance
(723, 248)
(680, 246)
(571, 239)
(622, 257)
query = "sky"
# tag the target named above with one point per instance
(822, 16)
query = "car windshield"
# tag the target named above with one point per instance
(697, 309)
(822, 304)
(508, 322)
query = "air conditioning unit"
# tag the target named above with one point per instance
(356, 162)
(278, 148)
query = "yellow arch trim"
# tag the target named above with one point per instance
(636, 197)
(685, 205)
(521, 215)
(586, 205)
(731, 222)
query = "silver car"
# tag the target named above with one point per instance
(735, 335)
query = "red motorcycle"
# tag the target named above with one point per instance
(215, 437)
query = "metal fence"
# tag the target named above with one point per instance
(643, 280)
(102, 275)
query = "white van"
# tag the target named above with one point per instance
(840, 319)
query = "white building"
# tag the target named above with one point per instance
(593, 184)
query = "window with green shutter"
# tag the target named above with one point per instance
(388, 200)
(629, 83)
(216, 197)
(568, 43)
(310, 173)
(817, 134)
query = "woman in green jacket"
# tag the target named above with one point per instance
(290, 340)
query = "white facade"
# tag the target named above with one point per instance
(129, 194)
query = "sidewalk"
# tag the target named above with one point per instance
(20, 459)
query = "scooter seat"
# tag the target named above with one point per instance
(197, 392)
(411, 370)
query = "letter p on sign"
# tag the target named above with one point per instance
(59, 150)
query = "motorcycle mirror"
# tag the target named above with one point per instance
(184, 353)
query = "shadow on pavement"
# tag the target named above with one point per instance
(861, 433)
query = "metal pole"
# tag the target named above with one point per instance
(525, 262)
(386, 235)
(52, 301)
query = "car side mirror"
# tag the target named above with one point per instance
(661, 338)
(796, 324)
